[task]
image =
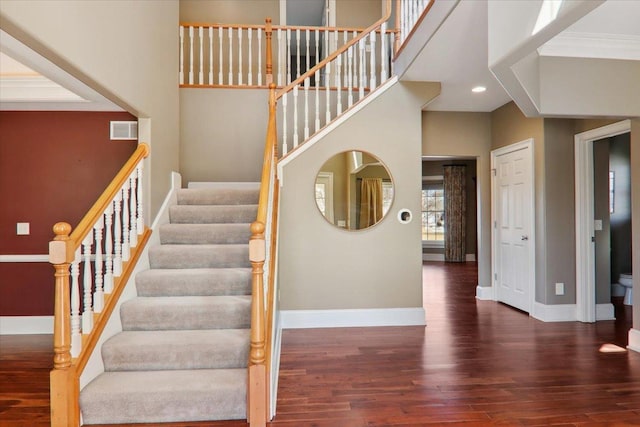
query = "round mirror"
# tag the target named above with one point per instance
(354, 190)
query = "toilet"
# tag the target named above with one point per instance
(626, 280)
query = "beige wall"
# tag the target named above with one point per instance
(323, 267)
(230, 11)
(466, 135)
(123, 49)
(222, 134)
(357, 13)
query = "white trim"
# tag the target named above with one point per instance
(18, 325)
(605, 312)
(229, 185)
(25, 258)
(302, 319)
(585, 248)
(440, 257)
(428, 178)
(485, 293)
(593, 45)
(275, 365)
(333, 125)
(433, 244)
(529, 145)
(554, 312)
(634, 340)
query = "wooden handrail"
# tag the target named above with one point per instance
(335, 54)
(399, 48)
(87, 222)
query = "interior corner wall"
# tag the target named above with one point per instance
(126, 51)
(635, 215)
(452, 134)
(324, 267)
(508, 126)
(249, 12)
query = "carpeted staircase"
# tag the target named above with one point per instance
(183, 352)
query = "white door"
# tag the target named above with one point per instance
(513, 226)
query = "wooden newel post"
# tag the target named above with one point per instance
(268, 31)
(64, 391)
(257, 398)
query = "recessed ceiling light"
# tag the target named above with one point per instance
(478, 89)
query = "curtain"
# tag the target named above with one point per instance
(455, 207)
(370, 201)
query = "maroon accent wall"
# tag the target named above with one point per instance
(53, 167)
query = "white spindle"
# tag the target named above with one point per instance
(356, 82)
(210, 55)
(288, 55)
(295, 116)
(297, 53)
(220, 67)
(140, 219)
(239, 56)
(87, 312)
(230, 56)
(363, 79)
(250, 63)
(345, 37)
(126, 249)
(327, 112)
(280, 68)
(98, 294)
(190, 55)
(316, 76)
(181, 54)
(350, 80)
(117, 235)
(326, 53)
(339, 85)
(76, 335)
(306, 108)
(201, 41)
(372, 57)
(108, 249)
(383, 53)
(308, 66)
(259, 56)
(133, 206)
(285, 130)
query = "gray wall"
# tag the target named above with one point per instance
(621, 228)
(601, 212)
(323, 267)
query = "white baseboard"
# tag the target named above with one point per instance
(485, 293)
(554, 312)
(234, 185)
(634, 340)
(440, 257)
(605, 312)
(18, 325)
(25, 258)
(302, 319)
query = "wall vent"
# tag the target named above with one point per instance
(124, 130)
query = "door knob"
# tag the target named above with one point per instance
(524, 238)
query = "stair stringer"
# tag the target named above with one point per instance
(95, 365)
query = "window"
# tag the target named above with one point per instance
(433, 212)
(387, 196)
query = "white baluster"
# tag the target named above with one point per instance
(350, 77)
(288, 55)
(87, 312)
(190, 55)
(126, 249)
(345, 37)
(201, 40)
(383, 53)
(181, 55)
(76, 335)
(363, 77)
(307, 40)
(280, 68)
(339, 85)
(316, 76)
(210, 55)
(98, 294)
(133, 216)
(306, 108)
(356, 82)
(295, 116)
(259, 56)
(372, 57)
(297, 53)
(284, 124)
(230, 56)
(327, 112)
(140, 219)
(108, 249)
(326, 54)
(117, 235)
(239, 56)
(220, 67)
(250, 60)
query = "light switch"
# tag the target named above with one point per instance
(597, 225)
(22, 229)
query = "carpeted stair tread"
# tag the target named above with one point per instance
(207, 196)
(205, 233)
(196, 281)
(165, 396)
(199, 256)
(188, 349)
(212, 214)
(186, 312)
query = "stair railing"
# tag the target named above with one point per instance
(92, 265)
(350, 72)
(409, 14)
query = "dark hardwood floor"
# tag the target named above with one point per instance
(476, 363)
